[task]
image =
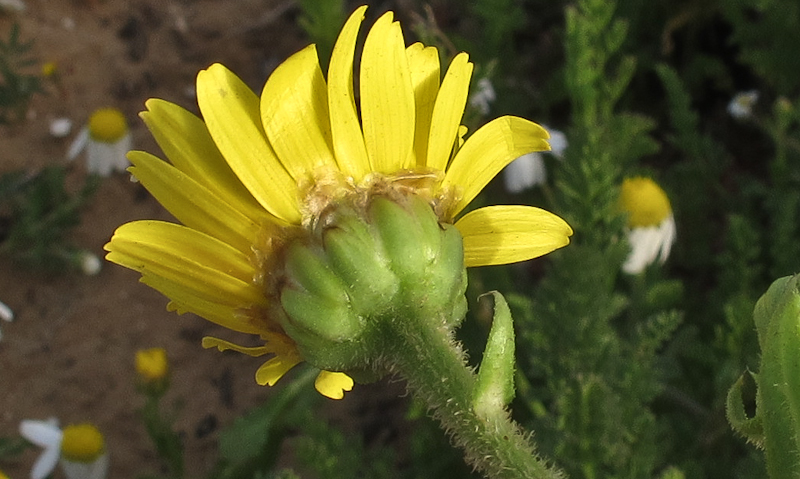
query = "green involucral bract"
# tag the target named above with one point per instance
(363, 270)
(776, 425)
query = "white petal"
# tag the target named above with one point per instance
(79, 470)
(668, 230)
(558, 142)
(46, 462)
(41, 433)
(648, 245)
(106, 158)
(5, 312)
(78, 144)
(525, 172)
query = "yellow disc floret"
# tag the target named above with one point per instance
(644, 201)
(151, 364)
(107, 125)
(82, 443)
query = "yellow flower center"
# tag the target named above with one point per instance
(645, 202)
(107, 125)
(151, 364)
(49, 69)
(3, 476)
(82, 443)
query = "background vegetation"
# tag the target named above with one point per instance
(619, 376)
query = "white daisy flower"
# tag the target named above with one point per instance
(106, 140)
(651, 227)
(741, 105)
(60, 127)
(90, 263)
(6, 315)
(529, 170)
(80, 448)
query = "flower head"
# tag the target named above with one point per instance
(741, 105)
(151, 364)
(81, 448)
(651, 225)
(263, 184)
(106, 139)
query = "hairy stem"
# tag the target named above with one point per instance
(435, 368)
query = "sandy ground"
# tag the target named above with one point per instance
(69, 354)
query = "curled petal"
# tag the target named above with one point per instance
(271, 371)
(508, 234)
(198, 262)
(488, 151)
(222, 345)
(333, 384)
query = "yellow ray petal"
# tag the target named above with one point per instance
(333, 384)
(184, 300)
(387, 98)
(205, 265)
(209, 342)
(271, 371)
(231, 113)
(423, 63)
(348, 140)
(489, 150)
(187, 144)
(192, 203)
(294, 112)
(508, 234)
(448, 110)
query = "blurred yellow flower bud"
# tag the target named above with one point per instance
(151, 364)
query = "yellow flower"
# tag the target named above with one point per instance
(256, 174)
(151, 364)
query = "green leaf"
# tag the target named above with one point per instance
(495, 386)
(750, 427)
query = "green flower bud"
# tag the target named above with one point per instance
(363, 269)
(777, 422)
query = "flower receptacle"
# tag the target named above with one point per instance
(363, 271)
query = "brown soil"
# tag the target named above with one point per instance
(69, 354)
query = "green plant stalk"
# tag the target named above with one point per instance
(167, 442)
(434, 366)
